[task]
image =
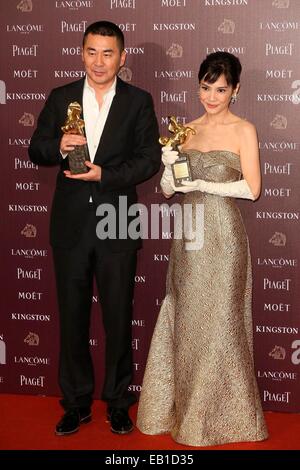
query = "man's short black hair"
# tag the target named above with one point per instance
(105, 28)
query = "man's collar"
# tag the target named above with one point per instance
(87, 86)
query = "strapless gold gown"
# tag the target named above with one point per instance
(199, 383)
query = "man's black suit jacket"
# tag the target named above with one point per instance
(128, 153)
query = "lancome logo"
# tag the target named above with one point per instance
(278, 262)
(276, 375)
(24, 28)
(227, 27)
(238, 50)
(173, 74)
(74, 4)
(280, 27)
(279, 146)
(32, 361)
(25, 6)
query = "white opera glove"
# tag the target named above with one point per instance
(239, 189)
(167, 182)
(169, 156)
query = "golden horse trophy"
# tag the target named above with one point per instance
(75, 125)
(181, 168)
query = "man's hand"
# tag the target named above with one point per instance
(93, 175)
(69, 141)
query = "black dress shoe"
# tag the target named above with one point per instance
(72, 419)
(120, 423)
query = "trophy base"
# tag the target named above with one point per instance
(77, 157)
(181, 170)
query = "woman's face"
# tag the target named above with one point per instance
(215, 97)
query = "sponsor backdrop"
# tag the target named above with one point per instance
(165, 41)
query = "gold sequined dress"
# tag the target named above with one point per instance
(199, 383)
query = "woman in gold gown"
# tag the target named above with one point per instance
(199, 383)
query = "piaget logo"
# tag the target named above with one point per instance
(25, 6)
(227, 27)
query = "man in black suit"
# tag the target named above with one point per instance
(122, 138)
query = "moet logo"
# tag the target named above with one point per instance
(278, 353)
(32, 339)
(227, 27)
(2, 351)
(278, 239)
(27, 120)
(125, 74)
(2, 92)
(29, 231)
(175, 51)
(25, 6)
(281, 3)
(279, 122)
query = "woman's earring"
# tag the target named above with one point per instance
(233, 99)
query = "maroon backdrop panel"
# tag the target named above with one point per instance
(165, 42)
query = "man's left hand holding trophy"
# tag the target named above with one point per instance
(74, 145)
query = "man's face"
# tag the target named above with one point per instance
(102, 59)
